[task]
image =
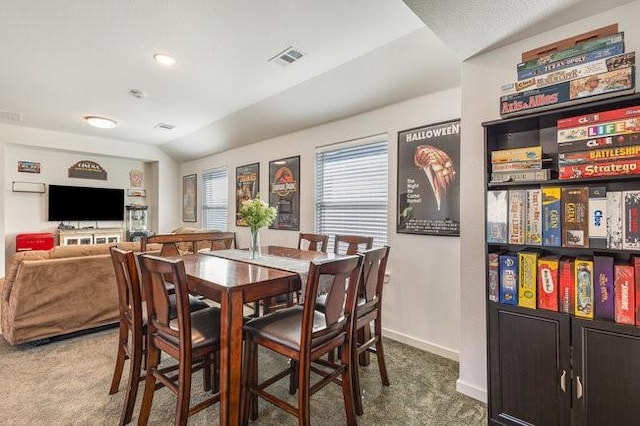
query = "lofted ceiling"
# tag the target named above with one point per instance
(65, 60)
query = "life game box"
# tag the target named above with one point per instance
(548, 282)
(584, 288)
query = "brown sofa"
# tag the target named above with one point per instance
(47, 293)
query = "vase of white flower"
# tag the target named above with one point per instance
(256, 214)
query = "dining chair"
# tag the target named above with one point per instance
(192, 338)
(189, 243)
(353, 243)
(314, 242)
(368, 309)
(132, 338)
(303, 335)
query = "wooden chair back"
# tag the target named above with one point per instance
(313, 242)
(354, 243)
(188, 243)
(373, 271)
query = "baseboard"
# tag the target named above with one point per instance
(471, 391)
(421, 344)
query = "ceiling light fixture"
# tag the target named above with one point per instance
(164, 59)
(100, 122)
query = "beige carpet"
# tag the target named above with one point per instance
(67, 382)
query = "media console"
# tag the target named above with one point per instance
(70, 237)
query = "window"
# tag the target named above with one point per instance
(214, 199)
(352, 190)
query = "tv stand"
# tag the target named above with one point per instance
(72, 237)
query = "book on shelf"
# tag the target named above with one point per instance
(598, 216)
(575, 226)
(509, 278)
(527, 278)
(614, 220)
(533, 224)
(624, 291)
(548, 285)
(497, 214)
(551, 217)
(494, 276)
(583, 276)
(517, 216)
(630, 220)
(566, 285)
(603, 286)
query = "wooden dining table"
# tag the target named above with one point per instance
(232, 283)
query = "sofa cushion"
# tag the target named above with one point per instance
(60, 252)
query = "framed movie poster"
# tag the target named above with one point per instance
(284, 192)
(429, 180)
(189, 198)
(247, 186)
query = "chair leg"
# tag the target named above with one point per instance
(253, 366)
(184, 391)
(364, 334)
(382, 365)
(304, 407)
(293, 376)
(216, 372)
(347, 357)
(153, 358)
(134, 378)
(355, 380)
(121, 356)
(206, 373)
(245, 395)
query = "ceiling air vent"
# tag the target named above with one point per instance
(12, 117)
(287, 56)
(164, 126)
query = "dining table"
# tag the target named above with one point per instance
(232, 278)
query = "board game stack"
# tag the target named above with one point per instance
(518, 164)
(595, 69)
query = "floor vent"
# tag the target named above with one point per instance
(287, 56)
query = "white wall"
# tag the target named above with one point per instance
(422, 297)
(56, 152)
(482, 77)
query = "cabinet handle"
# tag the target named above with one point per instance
(578, 388)
(563, 379)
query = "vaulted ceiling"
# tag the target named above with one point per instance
(66, 60)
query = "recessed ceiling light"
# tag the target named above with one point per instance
(164, 59)
(100, 122)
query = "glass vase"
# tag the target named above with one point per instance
(254, 244)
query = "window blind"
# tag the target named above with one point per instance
(214, 199)
(352, 191)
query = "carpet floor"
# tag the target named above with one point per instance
(66, 382)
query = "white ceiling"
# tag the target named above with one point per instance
(64, 60)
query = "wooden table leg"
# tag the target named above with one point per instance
(230, 358)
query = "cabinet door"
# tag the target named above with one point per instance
(529, 366)
(606, 360)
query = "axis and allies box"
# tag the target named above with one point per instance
(614, 220)
(612, 83)
(527, 279)
(598, 216)
(548, 268)
(584, 288)
(567, 285)
(551, 217)
(624, 291)
(494, 277)
(603, 285)
(533, 224)
(517, 216)
(509, 278)
(497, 209)
(630, 220)
(575, 226)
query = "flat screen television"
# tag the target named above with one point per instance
(84, 203)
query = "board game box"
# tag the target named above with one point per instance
(566, 285)
(575, 226)
(497, 216)
(624, 294)
(548, 267)
(630, 220)
(584, 288)
(508, 278)
(603, 286)
(494, 277)
(534, 217)
(517, 216)
(551, 217)
(527, 280)
(614, 220)
(598, 216)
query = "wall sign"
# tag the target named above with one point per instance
(284, 192)
(28, 167)
(135, 178)
(87, 169)
(189, 198)
(247, 186)
(428, 180)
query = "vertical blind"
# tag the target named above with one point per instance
(214, 199)
(352, 191)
